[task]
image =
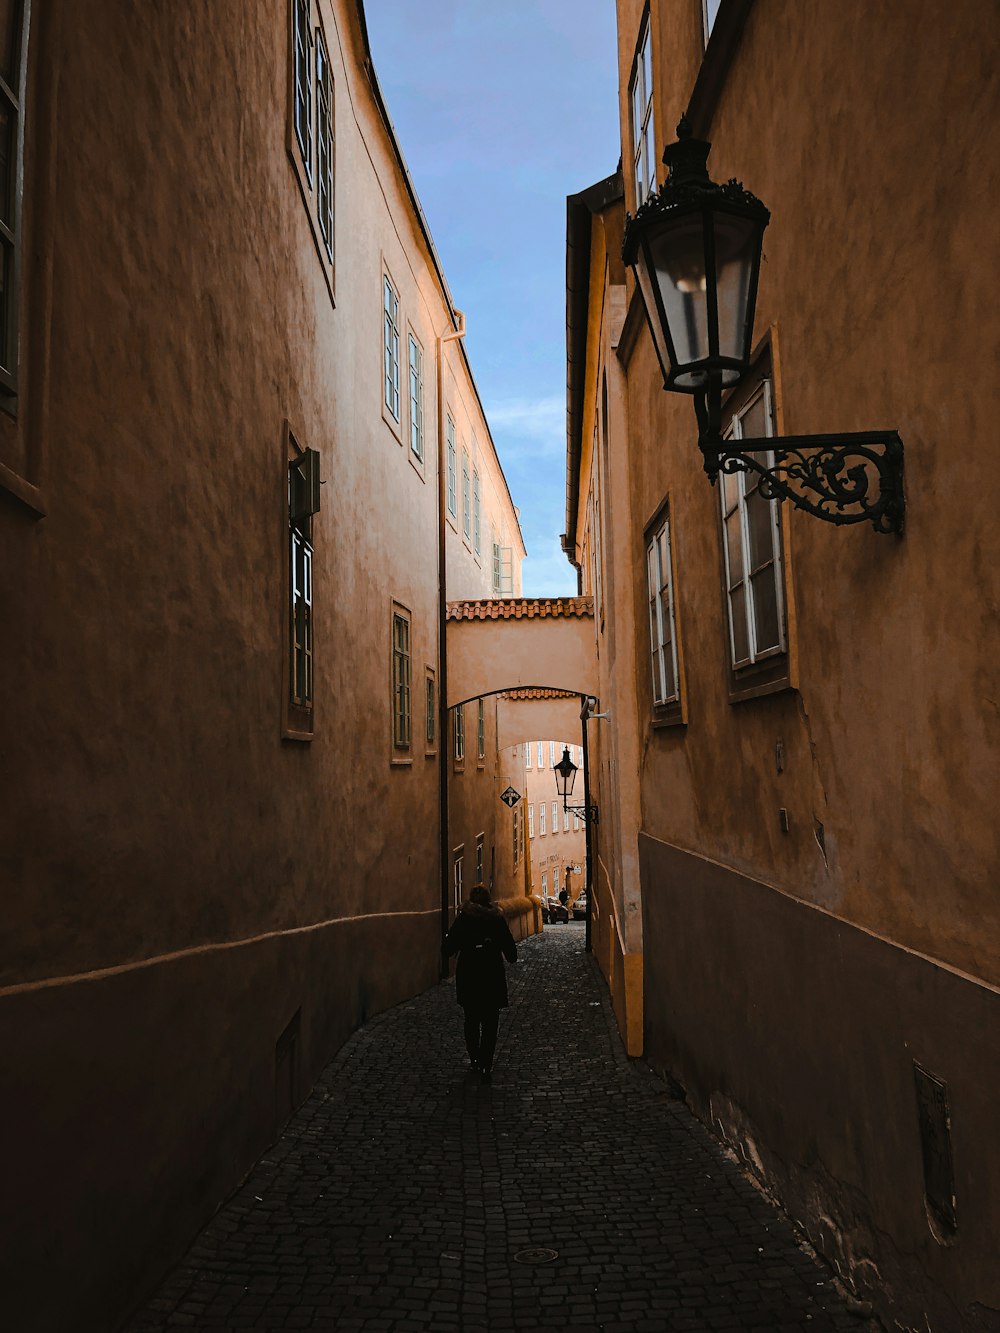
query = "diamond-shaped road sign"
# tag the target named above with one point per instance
(510, 797)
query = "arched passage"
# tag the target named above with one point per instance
(519, 643)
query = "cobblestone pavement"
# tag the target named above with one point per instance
(401, 1193)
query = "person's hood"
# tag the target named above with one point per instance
(477, 909)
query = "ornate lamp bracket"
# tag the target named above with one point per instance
(588, 813)
(849, 477)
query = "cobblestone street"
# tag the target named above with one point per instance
(401, 1194)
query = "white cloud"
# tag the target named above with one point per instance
(522, 423)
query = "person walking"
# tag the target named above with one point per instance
(482, 939)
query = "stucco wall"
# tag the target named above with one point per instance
(181, 881)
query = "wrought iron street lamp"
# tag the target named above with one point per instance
(566, 772)
(695, 247)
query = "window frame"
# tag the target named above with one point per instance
(542, 811)
(481, 732)
(304, 155)
(451, 494)
(458, 735)
(531, 819)
(401, 652)
(324, 121)
(298, 710)
(391, 325)
(669, 710)
(415, 381)
(642, 121)
(773, 670)
(477, 513)
(480, 857)
(458, 875)
(466, 497)
(431, 711)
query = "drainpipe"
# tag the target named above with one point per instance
(443, 756)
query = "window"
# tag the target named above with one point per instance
(566, 820)
(662, 621)
(531, 820)
(390, 311)
(401, 679)
(541, 819)
(416, 399)
(324, 145)
(480, 844)
(710, 12)
(466, 497)
(555, 816)
(477, 518)
(302, 55)
(458, 727)
(552, 754)
(541, 755)
(452, 470)
(643, 136)
(752, 547)
(527, 754)
(13, 44)
(545, 882)
(576, 822)
(555, 879)
(516, 822)
(481, 730)
(430, 695)
(458, 875)
(303, 504)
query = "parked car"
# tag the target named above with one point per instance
(556, 911)
(580, 908)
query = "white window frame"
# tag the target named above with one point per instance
(390, 346)
(552, 754)
(466, 496)
(541, 818)
(640, 98)
(531, 820)
(458, 875)
(458, 729)
(302, 92)
(415, 356)
(402, 661)
(517, 825)
(477, 513)
(324, 145)
(555, 816)
(452, 467)
(480, 853)
(541, 756)
(555, 880)
(662, 613)
(566, 820)
(545, 882)
(527, 755)
(481, 730)
(742, 485)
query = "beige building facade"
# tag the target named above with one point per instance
(557, 837)
(233, 386)
(802, 869)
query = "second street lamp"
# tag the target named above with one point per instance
(695, 248)
(566, 772)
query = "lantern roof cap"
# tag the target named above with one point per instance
(688, 187)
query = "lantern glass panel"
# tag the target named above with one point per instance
(736, 246)
(647, 286)
(677, 252)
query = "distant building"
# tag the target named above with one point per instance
(557, 837)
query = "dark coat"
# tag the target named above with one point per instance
(482, 939)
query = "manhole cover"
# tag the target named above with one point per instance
(536, 1255)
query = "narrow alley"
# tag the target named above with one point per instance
(570, 1193)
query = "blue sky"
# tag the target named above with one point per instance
(502, 109)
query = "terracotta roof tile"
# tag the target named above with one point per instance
(535, 692)
(520, 608)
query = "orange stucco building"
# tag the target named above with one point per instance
(235, 426)
(797, 855)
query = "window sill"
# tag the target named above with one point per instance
(401, 761)
(30, 496)
(396, 427)
(295, 735)
(417, 463)
(771, 676)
